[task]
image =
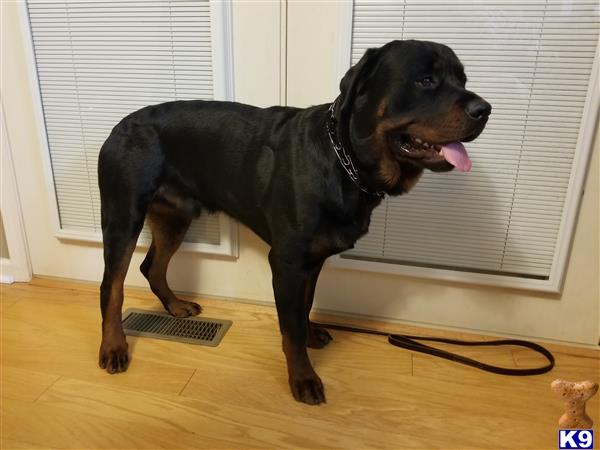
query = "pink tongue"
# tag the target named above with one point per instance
(456, 154)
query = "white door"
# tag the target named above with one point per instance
(81, 67)
(500, 42)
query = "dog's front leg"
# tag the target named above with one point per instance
(290, 275)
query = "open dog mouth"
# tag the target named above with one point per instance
(417, 149)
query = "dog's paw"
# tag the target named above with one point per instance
(308, 390)
(318, 337)
(113, 356)
(181, 308)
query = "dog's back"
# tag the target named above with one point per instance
(222, 155)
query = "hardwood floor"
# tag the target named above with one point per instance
(236, 395)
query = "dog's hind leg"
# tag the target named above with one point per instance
(120, 230)
(129, 165)
(168, 231)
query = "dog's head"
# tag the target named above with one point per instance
(404, 108)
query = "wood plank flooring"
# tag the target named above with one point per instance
(235, 396)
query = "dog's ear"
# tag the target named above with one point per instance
(354, 81)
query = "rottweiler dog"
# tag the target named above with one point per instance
(304, 180)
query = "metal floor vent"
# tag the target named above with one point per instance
(160, 325)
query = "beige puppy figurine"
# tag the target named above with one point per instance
(575, 395)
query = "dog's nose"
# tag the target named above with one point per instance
(478, 109)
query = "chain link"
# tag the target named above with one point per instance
(344, 157)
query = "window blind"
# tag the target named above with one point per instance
(98, 61)
(532, 61)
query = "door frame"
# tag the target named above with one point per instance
(17, 267)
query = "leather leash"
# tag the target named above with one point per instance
(410, 342)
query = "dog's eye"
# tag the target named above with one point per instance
(426, 82)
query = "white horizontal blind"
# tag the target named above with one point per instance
(98, 61)
(532, 61)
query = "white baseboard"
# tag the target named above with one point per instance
(9, 272)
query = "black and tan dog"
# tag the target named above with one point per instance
(304, 180)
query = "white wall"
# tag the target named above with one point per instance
(571, 316)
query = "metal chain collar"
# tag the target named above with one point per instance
(342, 156)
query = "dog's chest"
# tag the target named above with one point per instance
(340, 235)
